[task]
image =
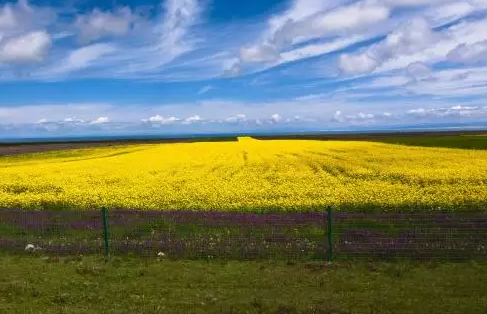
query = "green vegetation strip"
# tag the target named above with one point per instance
(462, 142)
(36, 284)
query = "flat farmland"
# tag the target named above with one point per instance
(250, 175)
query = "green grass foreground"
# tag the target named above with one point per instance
(35, 284)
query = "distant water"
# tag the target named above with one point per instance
(234, 134)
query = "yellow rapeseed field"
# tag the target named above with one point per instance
(248, 175)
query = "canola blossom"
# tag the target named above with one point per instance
(248, 175)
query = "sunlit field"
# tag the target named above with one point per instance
(248, 175)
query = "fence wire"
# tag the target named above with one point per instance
(246, 236)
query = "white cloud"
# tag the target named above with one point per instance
(417, 43)
(205, 89)
(312, 50)
(81, 58)
(7, 17)
(467, 32)
(175, 43)
(170, 38)
(469, 53)
(261, 53)
(364, 116)
(451, 11)
(344, 18)
(193, 119)
(410, 38)
(57, 112)
(298, 10)
(144, 46)
(386, 82)
(453, 83)
(407, 3)
(307, 20)
(311, 97)
(276, 118)
(23, 35)
(166, 39)
(73, 120)
(158, 119)
(30, 47)
(305, 115)
(418, 71)
(237, 118)
(179, 17)
(418, 80)
(338, 117)
(361, 118)
(22, 16)
(358, 63)
(232, 70)
(61, 35)
(100, 120)
(454, 111)
(98, 24)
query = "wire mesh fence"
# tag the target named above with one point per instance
(247, 236)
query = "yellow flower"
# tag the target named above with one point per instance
(248, 175)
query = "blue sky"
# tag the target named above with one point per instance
(114, 67)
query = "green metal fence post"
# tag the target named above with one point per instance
(105, 230)
(329, 234)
